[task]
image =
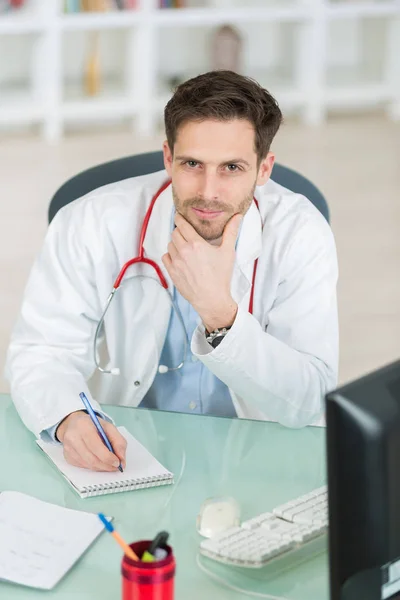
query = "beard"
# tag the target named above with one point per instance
(211, 230)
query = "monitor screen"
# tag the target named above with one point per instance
(363, 452)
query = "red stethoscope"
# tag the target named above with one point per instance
(141, 259)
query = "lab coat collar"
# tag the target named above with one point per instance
(248, 248)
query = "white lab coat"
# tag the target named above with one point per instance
(278, 363)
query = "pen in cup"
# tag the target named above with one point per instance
(97, 424)
(156, 550)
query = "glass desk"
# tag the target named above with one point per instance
(260, 464)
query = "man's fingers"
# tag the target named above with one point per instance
(187, 231)
(83, 446)
(118, 442)
(109, 463)
(172, 251)
(167, 262)
(74, 446)
(178, 239)
(77, 450)
(96, 445)
(73, 458)
(231, 230)
(76, 460)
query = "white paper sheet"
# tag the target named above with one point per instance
(39, 542)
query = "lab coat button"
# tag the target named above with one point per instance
(137, 383)
(192, 405)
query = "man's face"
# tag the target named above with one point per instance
(214, 173)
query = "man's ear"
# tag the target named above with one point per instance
(168, 158)
(265, 168)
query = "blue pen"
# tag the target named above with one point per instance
(127, 549)
(96, 422)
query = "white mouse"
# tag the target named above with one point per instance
(217, 515)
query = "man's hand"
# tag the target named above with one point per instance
(83, 447)
(202, 273)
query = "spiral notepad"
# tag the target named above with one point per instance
(142, 470)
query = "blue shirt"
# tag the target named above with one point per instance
(193, 388)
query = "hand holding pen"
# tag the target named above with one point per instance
(83, 446)
(98, 426)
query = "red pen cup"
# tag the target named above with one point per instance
(148, 580)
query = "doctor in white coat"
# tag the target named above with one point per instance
(250, 266)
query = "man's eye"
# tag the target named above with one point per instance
(232, 168)
(192, 163)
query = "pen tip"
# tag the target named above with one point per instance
(120, 468)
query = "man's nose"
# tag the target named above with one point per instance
(208, 188)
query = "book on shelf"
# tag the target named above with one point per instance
(172, 4)
(72, 6)
(97, 5)
(6, 5)
(76, 6)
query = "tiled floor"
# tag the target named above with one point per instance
(355, 161)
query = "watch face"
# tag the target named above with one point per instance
(217, 340)
(214, 338)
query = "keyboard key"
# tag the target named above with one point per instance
(258, 521)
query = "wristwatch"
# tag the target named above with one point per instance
(215, 337)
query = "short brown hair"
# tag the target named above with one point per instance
(223, 96)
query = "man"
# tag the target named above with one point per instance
(264, 349)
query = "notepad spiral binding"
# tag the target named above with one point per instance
(126, 485)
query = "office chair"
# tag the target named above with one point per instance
(143, 164)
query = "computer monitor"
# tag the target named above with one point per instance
(363, 454)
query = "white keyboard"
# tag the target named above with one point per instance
(266, 537)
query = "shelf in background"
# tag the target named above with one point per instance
(365, 95)
(11, 24)
(94, 109)
(355, 87)
(112, 101)
(338, 10)
(97, 21)
(293, 48)
(188, 16)
(19, 107)
(289, 12)
(216, 16)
